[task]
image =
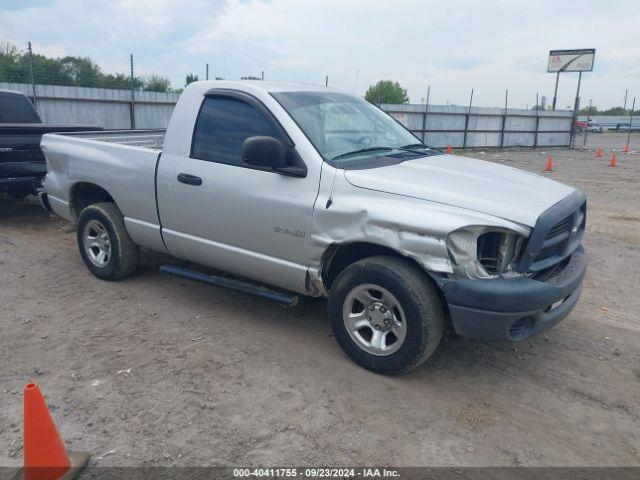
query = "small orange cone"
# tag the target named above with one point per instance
(449, 150)
(614, 161)
(599, 153)
(45, 457)
(549, 167)
(626, 148)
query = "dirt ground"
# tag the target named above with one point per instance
(156, 370)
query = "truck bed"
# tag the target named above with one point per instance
(122, 163)
(151, 139)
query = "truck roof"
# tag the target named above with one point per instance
(11, 92)
(258, 85)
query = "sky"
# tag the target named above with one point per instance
(451, 46)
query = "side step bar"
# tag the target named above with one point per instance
(232, 284)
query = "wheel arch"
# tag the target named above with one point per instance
(339, 256)
(83, 194)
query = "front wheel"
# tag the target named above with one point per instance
(385, 314)
(105, 245)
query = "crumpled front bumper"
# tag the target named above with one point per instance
(517, 308)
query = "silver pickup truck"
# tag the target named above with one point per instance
(315, 192)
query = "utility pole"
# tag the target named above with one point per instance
(504, 118)
(133, 100)
(633, 107)
(207, 73)
(576, 105)
(426, 111)
(624, 109)
(537, 107)
(466, 122)
(326, 80)
(33, 78)
(586, 130)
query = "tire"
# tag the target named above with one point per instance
(385, 280)
(102, 225)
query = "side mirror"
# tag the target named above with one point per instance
(264, 152)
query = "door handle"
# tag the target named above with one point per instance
(189, 179)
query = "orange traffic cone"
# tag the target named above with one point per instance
(599, 153)
(549, 167)
(449, 150)
(614, 161)
(626, 148)
(45, 457)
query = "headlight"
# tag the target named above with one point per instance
(484, 252)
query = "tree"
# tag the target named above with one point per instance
(191, 77)
(615, 111)
(73, 71)
(80, 71)
(156, 83)
(593, 110)
(386, 91)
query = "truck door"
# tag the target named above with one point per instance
(234, 217)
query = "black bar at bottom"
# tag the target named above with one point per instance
(363, 473)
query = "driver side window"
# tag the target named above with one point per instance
(223, 124)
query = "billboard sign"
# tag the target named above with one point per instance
(571, 60)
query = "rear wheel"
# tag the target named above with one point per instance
(385, 314)
(105, 245)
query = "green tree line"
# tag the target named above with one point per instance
(72, 71)
(618, 111)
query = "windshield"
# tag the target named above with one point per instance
(349, 131)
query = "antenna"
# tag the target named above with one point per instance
(355, 82)
(333, 185)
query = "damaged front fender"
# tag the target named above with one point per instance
(414, 228)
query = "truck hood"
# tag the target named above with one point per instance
(468, 183)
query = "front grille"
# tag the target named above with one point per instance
(488, 245)
(556, 240)
(549, 252)
(560, 227)
(562, 238)
(556, 235)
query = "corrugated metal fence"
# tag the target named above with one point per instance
(440, 126)
(108, 108)
(464, 127)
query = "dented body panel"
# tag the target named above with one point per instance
(413, 227)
